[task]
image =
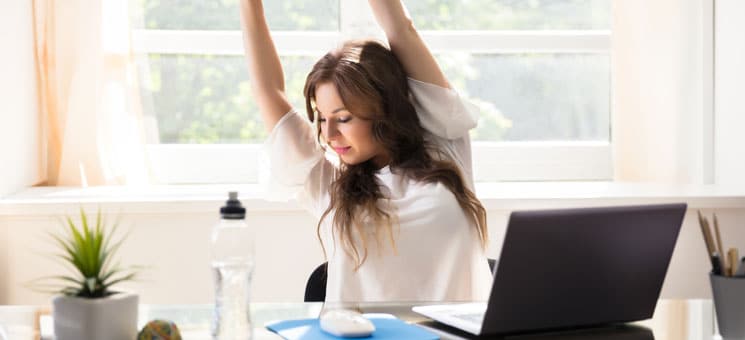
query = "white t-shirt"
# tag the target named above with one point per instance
(438, 254)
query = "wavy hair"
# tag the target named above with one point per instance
(374, 87)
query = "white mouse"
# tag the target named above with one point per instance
(346, 323)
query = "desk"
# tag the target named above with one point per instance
(673, 320)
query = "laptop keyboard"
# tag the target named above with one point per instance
(471, 317)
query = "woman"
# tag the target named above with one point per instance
(398, 218)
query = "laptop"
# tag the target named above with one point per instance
(571, 268)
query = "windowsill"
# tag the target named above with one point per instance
(495, 196)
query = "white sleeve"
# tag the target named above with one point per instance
(442, 111)
(447, 118)
(289, 154)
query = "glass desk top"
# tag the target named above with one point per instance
(673, 320)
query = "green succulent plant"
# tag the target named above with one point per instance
(88, 250)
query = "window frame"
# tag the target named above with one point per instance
(493, 161)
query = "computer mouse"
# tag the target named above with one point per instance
(346, 323)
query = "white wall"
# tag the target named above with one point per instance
(172, 239)
(730, 108)
(19, 127)
(175, 249)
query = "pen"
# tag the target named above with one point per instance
(705, 232)
(716, 268)
(723, 267)
(733, 255)
(712, 254)
(727, 262)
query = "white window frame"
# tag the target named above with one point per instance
(493, 161)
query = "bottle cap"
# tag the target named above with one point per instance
(233, 210)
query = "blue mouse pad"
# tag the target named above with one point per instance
(385, 328)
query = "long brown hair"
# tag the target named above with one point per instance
(373, 86)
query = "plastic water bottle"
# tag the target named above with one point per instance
(232, 266)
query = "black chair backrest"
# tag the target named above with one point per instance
(315, 288)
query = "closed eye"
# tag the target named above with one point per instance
(339, 120)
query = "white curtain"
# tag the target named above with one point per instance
(88, 93)
(661, 57)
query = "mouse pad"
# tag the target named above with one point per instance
(385, 328)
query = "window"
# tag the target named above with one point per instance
(539, 70)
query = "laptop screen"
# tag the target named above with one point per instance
(576, 267)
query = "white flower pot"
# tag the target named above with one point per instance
(113, 317)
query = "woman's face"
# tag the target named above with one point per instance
(348, 135)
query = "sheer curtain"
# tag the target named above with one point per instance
(662, 90)
(88, 93)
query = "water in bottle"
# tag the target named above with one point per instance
(232, 266)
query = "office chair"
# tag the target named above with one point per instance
(315, 288)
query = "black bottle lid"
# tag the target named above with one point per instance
(233, 210)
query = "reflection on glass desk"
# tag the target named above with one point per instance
(673, 320)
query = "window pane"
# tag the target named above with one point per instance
(510, 14)
(535, 97)
(521, 97)
(207, 99)
(316, 15)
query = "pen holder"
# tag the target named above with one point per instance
(729, 303)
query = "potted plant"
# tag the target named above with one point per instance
(86, 307)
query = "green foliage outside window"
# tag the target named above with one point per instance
(509, 14)
(207, 99)
(282, 15)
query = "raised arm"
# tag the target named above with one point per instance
(406, 43)
(265, 70)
